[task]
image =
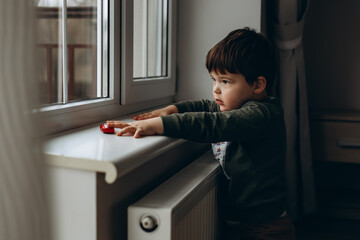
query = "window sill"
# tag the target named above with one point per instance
(75, 115)
(89, 149)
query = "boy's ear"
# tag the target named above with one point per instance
(260, 85)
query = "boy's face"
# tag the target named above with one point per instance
(230, 91)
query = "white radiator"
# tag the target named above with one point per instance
(182, 208)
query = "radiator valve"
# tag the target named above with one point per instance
(148, 223)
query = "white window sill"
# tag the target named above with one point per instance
(89, 149)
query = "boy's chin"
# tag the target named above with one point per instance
(223, 108)
(226, 108)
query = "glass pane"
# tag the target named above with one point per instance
(82, 31)
(49, 38)
(150, 38)
(86, 50)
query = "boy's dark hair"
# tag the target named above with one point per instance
(246, 52)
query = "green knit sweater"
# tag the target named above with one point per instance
(254, 160)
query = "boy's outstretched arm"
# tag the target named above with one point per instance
(157, 113)
(147, 127)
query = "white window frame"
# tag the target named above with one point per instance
(145, 88)
(125, 95)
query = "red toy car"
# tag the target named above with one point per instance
(106, 129)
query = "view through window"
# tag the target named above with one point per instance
(150, 38)
(82, 27)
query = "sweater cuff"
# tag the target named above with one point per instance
(181, 106)
(170, 126)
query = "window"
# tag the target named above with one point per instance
(78, 71)
(150, 64)
(119, 58)
(150, 38)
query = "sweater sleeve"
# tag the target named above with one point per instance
(246, 123)
(197, 106)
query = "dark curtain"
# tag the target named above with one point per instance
(284, 25)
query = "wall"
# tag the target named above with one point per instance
(332, 54)
(201, 24)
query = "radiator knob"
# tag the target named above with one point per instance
(148, 223)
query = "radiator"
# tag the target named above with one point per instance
(185, 207)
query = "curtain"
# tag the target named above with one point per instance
(23, 205)
(286, 28)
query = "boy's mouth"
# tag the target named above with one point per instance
(219, 102)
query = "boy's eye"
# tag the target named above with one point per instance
(225, 82)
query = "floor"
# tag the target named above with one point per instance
(321, 228)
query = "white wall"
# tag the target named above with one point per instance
(201, 24)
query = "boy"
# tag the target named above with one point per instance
(247, 132)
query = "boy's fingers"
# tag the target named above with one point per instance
(137, 134)
(137, 117)
(117, 124)
(142, 116)
(129, 130)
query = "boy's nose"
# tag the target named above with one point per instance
(216, 88)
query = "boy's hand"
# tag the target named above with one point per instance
(157, 113)
(149, 127)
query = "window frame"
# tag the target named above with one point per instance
(126, 95)
(141, 90)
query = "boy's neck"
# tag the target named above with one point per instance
(260, 97)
